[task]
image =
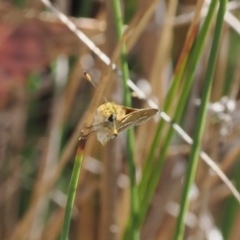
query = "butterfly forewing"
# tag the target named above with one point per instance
(135, 118)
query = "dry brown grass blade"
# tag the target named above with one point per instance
(236, 83)
(192, 32)
(220, 174)
(139, 23)
(112, 162)
(71, 91)
(85, 227)
(54, 225)
(162, 54)
(164, 196)
(218, 84)
(226, 164)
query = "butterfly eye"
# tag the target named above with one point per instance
(112, 118)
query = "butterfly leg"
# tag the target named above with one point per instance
(85, 136)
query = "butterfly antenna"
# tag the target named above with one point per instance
(88, 77)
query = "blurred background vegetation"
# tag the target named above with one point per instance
(44, 99)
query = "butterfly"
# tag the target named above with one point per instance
(111, 119)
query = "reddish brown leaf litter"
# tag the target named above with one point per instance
(28, 45)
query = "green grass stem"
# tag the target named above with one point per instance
(71, 194)
(232, 207)
(132, 231)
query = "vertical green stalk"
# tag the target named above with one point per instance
(232, 207)
(148, 187)
(72, 193)
(195, 150)
(132, 228)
